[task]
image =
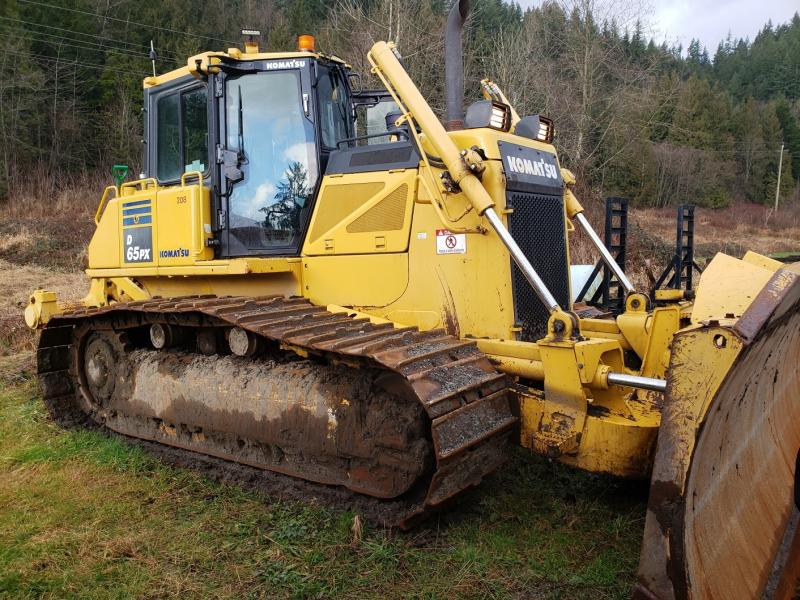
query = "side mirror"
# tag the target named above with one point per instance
(355, 82)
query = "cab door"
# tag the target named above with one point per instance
(269, 164)
(179, 158)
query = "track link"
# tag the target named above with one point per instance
(464, 398)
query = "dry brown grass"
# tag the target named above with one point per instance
(39, 195)
(732, 230)
(16, 283)
(58, 242)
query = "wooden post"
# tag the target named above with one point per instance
(778, 186)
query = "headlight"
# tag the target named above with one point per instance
(535, 127)
(488, 113)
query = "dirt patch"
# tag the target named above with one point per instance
(17, 368)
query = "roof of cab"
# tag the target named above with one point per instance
(196, 63)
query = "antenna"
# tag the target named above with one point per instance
(153, 57)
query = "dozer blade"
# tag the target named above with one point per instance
(722, 519)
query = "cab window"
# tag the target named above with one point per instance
(334, 108)
(182, 133)
(266, 124)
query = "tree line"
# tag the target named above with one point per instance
(654, 122)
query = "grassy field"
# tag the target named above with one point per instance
(85, 515)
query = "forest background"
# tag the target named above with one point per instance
(658, 123)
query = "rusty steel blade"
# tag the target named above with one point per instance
(720, 518)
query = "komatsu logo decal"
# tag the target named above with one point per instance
(285, 64)
(530, 167)
(176, 253)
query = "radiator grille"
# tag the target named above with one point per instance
(537, 225)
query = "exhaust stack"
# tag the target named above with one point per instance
(454, 65)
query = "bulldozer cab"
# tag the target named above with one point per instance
(261, 132)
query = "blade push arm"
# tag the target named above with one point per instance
(575, 211)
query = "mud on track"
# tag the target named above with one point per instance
(454, 383)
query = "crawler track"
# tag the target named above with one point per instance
(459, 398)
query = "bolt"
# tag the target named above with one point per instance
(635, 303)
(559, 326)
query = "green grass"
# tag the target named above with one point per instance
(84, 515)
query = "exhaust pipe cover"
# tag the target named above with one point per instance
(454, 65)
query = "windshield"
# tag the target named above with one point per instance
(265, 122)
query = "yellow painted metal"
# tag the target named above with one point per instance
(762, 261)
(609, 443)
(486, 139)
(231, 266)
(669, 295)
(661, 327)
(727, 288)
(335, 308)
(99, 292)
(183, 223)
(371, 251)
(179, 220)
(387, 66)
(41, 306)
(491, 91)
(103, 200)
(128, 290)
(200, 64)
(104, 247)
(362, 213)
(571, 202)
(285, 283)
(344, 280)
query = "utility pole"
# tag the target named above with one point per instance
(778, 187)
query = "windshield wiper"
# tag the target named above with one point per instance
(242, 158)
(233, 160)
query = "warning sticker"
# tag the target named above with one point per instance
(450, 243)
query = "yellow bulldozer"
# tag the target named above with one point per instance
(322, 280)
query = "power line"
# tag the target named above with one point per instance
(64, 41)
(84, 12)
(105, 42)
(62, 31)
(67, 63)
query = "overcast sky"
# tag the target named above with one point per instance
(710, 21)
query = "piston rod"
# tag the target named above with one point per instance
(607, 258)
(522, 262)
(638, 382)
(388, 67)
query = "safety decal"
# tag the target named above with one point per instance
(450, 243)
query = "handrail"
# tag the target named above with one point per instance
(101, 207)
(188, 174)
(139, 183)
(387, 133)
